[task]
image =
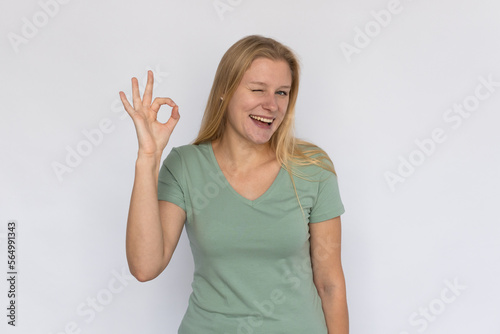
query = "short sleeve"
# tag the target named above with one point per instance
(170, 180)
(328, 203)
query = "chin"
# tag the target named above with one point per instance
(260, 141)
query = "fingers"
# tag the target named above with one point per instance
(175, 113)
(138, 104)
(174, 118)
(128, 108)
(136, 97)
(148, 91)
(159, 101)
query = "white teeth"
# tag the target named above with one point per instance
(262, 119)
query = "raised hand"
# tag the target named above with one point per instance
(153, 135)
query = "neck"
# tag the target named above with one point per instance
(241, 155)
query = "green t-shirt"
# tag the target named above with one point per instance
(252, 260)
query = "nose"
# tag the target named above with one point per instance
(269, 102)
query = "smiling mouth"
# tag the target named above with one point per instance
(269, 121)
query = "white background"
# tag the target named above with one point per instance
(401, 244)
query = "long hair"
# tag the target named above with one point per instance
(290, 151)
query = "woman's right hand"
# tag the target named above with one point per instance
(153, 136)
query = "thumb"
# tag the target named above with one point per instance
(174, 118)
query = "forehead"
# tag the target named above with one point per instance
(269, 71)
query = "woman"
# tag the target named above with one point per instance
(261, 208)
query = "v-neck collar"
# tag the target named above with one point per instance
(229, 186)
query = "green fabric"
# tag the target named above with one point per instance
(252, 261)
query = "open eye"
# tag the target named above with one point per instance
(282, 93)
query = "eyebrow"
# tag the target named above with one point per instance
(263, 84)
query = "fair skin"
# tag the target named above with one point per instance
(243, 152)
(248, 163)
(328, 274)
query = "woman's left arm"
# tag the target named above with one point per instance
(328, 274)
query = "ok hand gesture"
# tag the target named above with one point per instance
(153, 136)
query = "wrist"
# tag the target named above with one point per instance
(149, 155)
(148, 159)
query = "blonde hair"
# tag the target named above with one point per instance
(290, 151)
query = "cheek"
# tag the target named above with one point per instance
(281, 118)
(242, 105)
(250, 103)
(283, 108)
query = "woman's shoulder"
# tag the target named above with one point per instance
(312, 159)
(311, 150)
(190, 155)
(312, 153)
(191, 149)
